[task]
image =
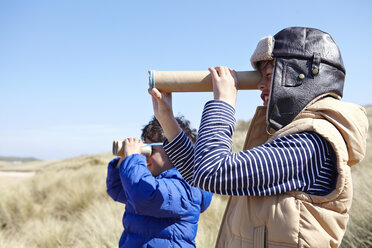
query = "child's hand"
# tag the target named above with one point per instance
(162, 105)
(132, 146)
(224, 84)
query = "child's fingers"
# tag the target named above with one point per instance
(226, 70)
(155, 93)
(129, 141)
(213, 72)
(154, 99)
(233, 73)
(221, 70)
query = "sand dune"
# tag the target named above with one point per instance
(12, 177)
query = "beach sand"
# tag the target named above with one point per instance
(12, 177)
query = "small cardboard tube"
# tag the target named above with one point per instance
(197, 81)
(118, 149)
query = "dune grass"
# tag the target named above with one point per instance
(359, 230)
(66, 205)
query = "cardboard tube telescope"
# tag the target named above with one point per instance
(197, 81)
(118, 149)
(146, 149)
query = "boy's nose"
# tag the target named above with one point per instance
(261, 84)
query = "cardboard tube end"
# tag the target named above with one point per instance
(146, 150)
(115, 145)
(152, 79)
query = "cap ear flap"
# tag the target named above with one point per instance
(287, 91)
(289, 78)
(291, 92)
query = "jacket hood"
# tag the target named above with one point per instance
(171, 173)
(205, 197)
(351, 121)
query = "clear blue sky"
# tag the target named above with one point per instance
(73, 74)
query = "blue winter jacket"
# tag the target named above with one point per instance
(160, 211)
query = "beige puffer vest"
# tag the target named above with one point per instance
(297, 219)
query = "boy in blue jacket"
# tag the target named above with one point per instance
(162, 209)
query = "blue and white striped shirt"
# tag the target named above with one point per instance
(303, 161)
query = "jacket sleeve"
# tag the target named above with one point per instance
(181, 152)
(158, 197)
(206, 200)
(114, 187)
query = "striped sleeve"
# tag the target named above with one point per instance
(181, 153)
(303, 161)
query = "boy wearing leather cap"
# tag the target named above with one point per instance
(291, 185)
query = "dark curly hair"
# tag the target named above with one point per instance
(154, 132)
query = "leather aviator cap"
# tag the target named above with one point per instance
(307, 64)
